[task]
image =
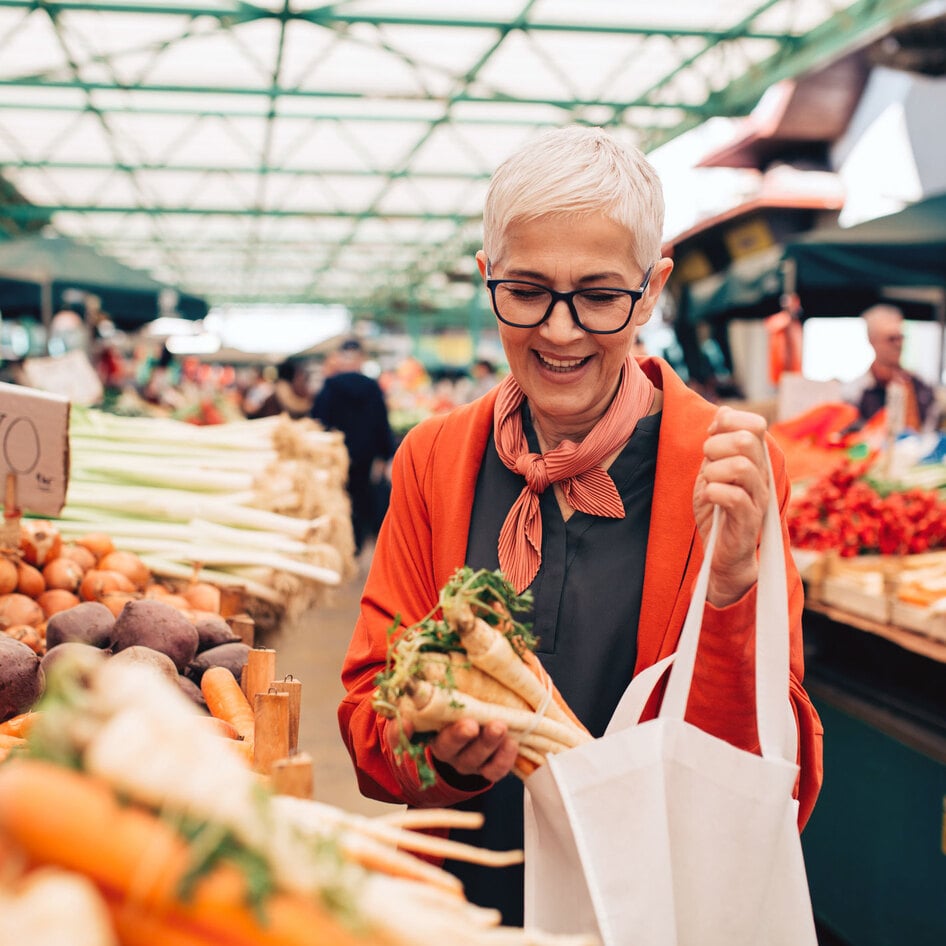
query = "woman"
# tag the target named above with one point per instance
(571, 260)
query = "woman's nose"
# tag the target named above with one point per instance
(560, 325)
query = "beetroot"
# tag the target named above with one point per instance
(212, 631)
(152, 623)
(232, 656)
(87, 623)
(21, 677)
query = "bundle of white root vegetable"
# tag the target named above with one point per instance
(474, 660)
(259, 504)
(119, 784)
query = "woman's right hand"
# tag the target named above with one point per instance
(469, 749)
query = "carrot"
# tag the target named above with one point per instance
(11, 742)
(219, 726)
(227, 701)
(60, 817)
(19, 725)
(431, 708)
(524, 766)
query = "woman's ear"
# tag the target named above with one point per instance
(482, 262)
(658, 279)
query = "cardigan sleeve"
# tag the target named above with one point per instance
(400, 587)
(722, 695)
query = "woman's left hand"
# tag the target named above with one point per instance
(732, 476)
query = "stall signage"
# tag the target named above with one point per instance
(34, 447)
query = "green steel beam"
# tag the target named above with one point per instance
(464, 84)
(122, 167)
(84, 85)
(332, 17)
(38, 211)
(841, 34)
(196, 112)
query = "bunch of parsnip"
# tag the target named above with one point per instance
(474, 660)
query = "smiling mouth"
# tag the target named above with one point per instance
(562, 365)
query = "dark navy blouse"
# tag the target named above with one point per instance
(587, 598)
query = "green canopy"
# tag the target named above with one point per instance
(129, 296)
(907, 248)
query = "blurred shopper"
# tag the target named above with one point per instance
(291, 393)
(351, 402)
(484, 377)
(869, 393)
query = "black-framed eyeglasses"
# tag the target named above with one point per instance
(601, 310)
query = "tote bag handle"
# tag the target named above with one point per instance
(778, 736)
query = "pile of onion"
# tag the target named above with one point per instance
(46, 575)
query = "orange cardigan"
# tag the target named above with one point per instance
(423, 541)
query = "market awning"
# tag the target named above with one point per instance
(749, 288)
(58, 264)
(902, 249)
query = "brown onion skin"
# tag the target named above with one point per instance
(203, 596)
(98, 543)
(78, 554)
(16, 608)
(63, 573)
(8, 575)
(55, 600)
(129, 565)
(98, 582)
(30, 580)
(40, 541)
(27, 634)
(115, 601)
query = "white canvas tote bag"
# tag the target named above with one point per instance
(659, 834)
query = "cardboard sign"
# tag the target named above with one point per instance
(34, 447)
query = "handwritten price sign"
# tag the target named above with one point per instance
(34, 447)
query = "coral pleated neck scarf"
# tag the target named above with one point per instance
(575, 466)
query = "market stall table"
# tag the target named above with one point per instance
(875, 846)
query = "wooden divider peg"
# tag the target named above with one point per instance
(293, 688)
(243, 626)
(271, 730)
(293, 776)
(260, 671)
(232, 601)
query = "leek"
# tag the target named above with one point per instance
(260, 504)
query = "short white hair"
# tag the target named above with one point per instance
(578, 170)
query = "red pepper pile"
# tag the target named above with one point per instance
(842, 511)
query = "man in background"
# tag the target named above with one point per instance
(352, 403)
(871, 392)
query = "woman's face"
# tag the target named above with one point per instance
(569, 375)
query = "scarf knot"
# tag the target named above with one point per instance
(535, 470)
(575, 466)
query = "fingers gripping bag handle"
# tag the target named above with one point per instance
(778, 736)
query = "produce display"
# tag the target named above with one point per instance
(60, 596)
(156, 831)
(853, 511)
(475, 660)
(255, 504)
(876, 526)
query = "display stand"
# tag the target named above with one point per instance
(875, 847)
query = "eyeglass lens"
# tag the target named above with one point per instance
(597, 309)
